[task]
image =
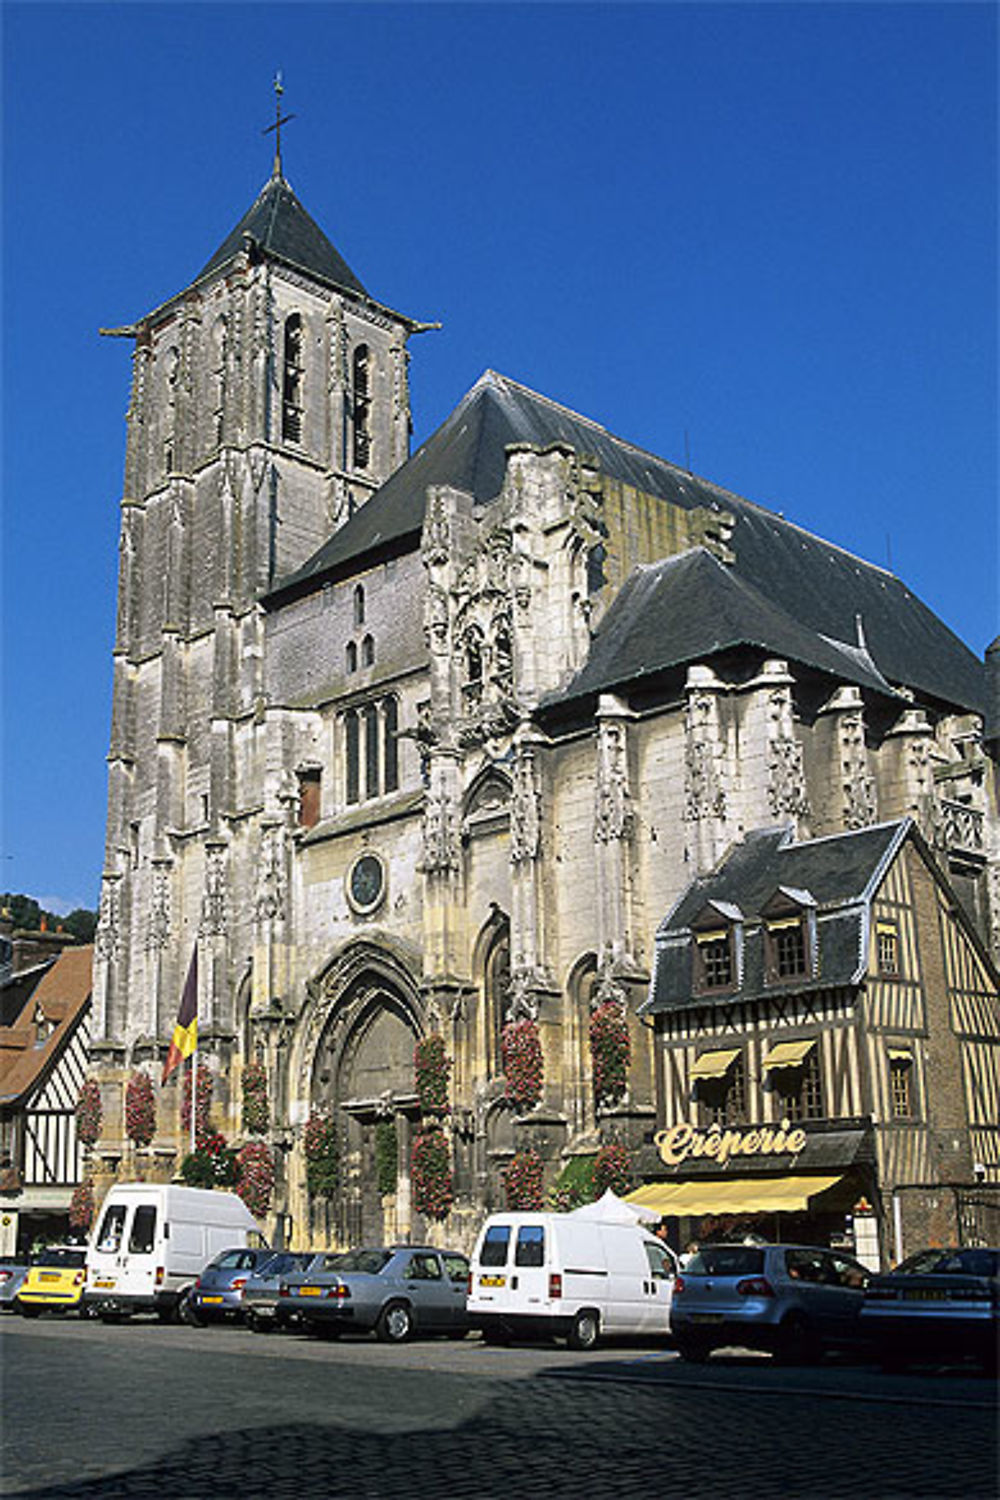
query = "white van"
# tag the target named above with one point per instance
(153, 1240)
(569, 1274)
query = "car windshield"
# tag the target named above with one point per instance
(235, 1260)
(61, 1257)
(288, 1260)
(968, 1262)
(726, 1260)
(370, 1261)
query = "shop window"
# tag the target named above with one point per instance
(887, 948)
(291, 381)
(900, 1084)
(722, 1097)
(309, 798)
(801, 1088)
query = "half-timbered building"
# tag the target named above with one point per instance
(828, 1047)
(43, 1062)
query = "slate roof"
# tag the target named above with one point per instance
(280, 226)
(840, 873)
(787, 590)
(60, 999)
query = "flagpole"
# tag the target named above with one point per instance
(194, 1098)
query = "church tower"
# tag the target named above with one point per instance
(269, 401)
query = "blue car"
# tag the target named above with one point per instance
(938, 1307)
(263, 1288)
(218, 1292)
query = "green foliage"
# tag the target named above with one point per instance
(431, 1067)
(610, 1052)
(212, 1165)
(612, 1169)
(256, 1109)
(574, 1185)
(27, 916)
(523, 1181)
(322, 1156)
(430, 1173)
(386, 1156)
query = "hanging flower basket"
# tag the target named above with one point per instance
(386, 1156)
(610, 1053)
(256, 1109)
(212, 1164)
(203, 1105)
(89, 1113)
(432, 1066)
(523, 1181)
(81, 1206)
(430, 1173)
(322, 1156)
(613, 1169)
(140, 1109)
(255, 1177)
(523, 1064)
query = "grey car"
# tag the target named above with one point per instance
(940, 1306)
(261, 1293)
(12, 1274)
(396, 1290)
(795, 1301)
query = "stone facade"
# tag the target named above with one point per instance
(358, 795)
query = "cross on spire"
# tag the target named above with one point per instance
(279, 120)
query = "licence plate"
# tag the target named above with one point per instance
(213, 1300)
(48, 1276)
(492, 1281)
(706, 1317)
(924, 1294)
(106, 1286)
(309, 1291)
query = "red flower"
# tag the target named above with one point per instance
(431, 1066)
(523, 1181)
(140, 1109)
(610, 1052)
(430, 1173)
(203, 1105)
(81, 1208)
(523, 1064)
(256, 1110)
(612, 1169)
(89, 1113)
(255, 1177)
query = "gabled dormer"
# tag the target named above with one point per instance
(717, 949)
(788, 932)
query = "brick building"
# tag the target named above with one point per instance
(422, 745)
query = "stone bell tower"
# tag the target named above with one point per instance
(269, 400)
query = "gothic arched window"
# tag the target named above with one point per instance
(291, 381)
(352, 743)
(367, 651)
(352, 656)
(390, 730)
(362, 407)
(359, 604)
(496, 985)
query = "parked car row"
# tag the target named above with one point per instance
(581, 1276)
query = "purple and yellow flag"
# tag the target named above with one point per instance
(185, 1038)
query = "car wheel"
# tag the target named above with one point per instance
(693, 1351)
(797, 1341)
(395, 1324)
(585, 1332)
(189, 1314)
(255, 1322)
(497, 1335)
(29, 1310)
(457, 1334)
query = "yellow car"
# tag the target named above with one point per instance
(55, 1279)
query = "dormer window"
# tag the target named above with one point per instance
(715, 960)
(788, 929)
(717, 948)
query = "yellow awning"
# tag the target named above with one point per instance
(900, 1054)
(742, 1195)
(714, 1064)
(789, 1054)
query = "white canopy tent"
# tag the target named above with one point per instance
(610, 1209)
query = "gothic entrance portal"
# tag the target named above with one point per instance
(363, 1075)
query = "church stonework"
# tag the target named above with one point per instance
(412, 746)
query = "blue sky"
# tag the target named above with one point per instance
(763, 234)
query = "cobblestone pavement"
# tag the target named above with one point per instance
(146, 1411)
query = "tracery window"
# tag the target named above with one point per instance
(371, 750)
(292, 378)
(362, 407)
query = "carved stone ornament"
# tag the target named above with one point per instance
(436, 541)
(704, 792)
(107, 937)
(786, 788)
(436, 619)
(440, 835)
(859, 786)
(213, 901)
(614, 814)
(269, 901)
(523, 1000)
(158, 929)
(525, 810)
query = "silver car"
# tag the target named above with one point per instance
(795, 1301)
(12, 1274)
(261, 1293)
(397, 1291)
